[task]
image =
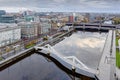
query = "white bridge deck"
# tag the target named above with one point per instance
(75, 63)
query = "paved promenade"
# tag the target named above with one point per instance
(107, 63)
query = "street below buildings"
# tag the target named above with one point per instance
(22, 45)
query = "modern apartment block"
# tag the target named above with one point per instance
(45, 25)
(29, 29)
(9, 33)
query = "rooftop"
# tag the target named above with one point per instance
(7, 26)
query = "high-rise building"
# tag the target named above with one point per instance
(87, 16)
(2, 12)
(29, 18)
(71, 19)
(45, 25)
(74, 16)
(29, 29)
(7, 19)
(28, 13)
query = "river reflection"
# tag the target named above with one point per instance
(34, 67)
(86, 46)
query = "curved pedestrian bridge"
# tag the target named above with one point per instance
(82, 51)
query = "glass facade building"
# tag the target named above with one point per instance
(7, 19)
(2, 12)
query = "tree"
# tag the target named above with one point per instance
(116, 20)
(8, 49)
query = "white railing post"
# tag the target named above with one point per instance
(73, 66)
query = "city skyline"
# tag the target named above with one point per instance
(81, 38)
(107, 6)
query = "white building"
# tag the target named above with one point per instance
(108, 22)
(67, 28)
(9, 33)
(29, 29)
(45, 25)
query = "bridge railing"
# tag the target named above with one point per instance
(72, 60)
(97, 25)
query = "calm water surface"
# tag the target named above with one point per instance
(34, 67)
(86, 46)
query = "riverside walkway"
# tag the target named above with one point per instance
(107, 63)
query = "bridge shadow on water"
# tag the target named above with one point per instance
(92, 30)
(15, 61)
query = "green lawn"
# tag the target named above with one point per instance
(117, 41)
(29, 46)
(0, 58)
(117, 54)
(117, 58)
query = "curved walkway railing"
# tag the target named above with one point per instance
(72, 60)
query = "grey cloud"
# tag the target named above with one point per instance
(66, 4)
(45, 3)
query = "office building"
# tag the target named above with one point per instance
(45, 25)
(71, 19)
(2, 12)
(30, 29)
(7, 19)
(9, 33)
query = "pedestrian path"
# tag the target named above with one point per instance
(118, 73)
(105, 63)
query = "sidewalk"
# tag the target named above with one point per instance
(118, 73)
(107, 62)
(11, 53)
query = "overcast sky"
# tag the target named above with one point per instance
(61, 5)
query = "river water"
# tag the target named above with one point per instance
(85, 46)
(36, 67)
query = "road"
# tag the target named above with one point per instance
(21, 45)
